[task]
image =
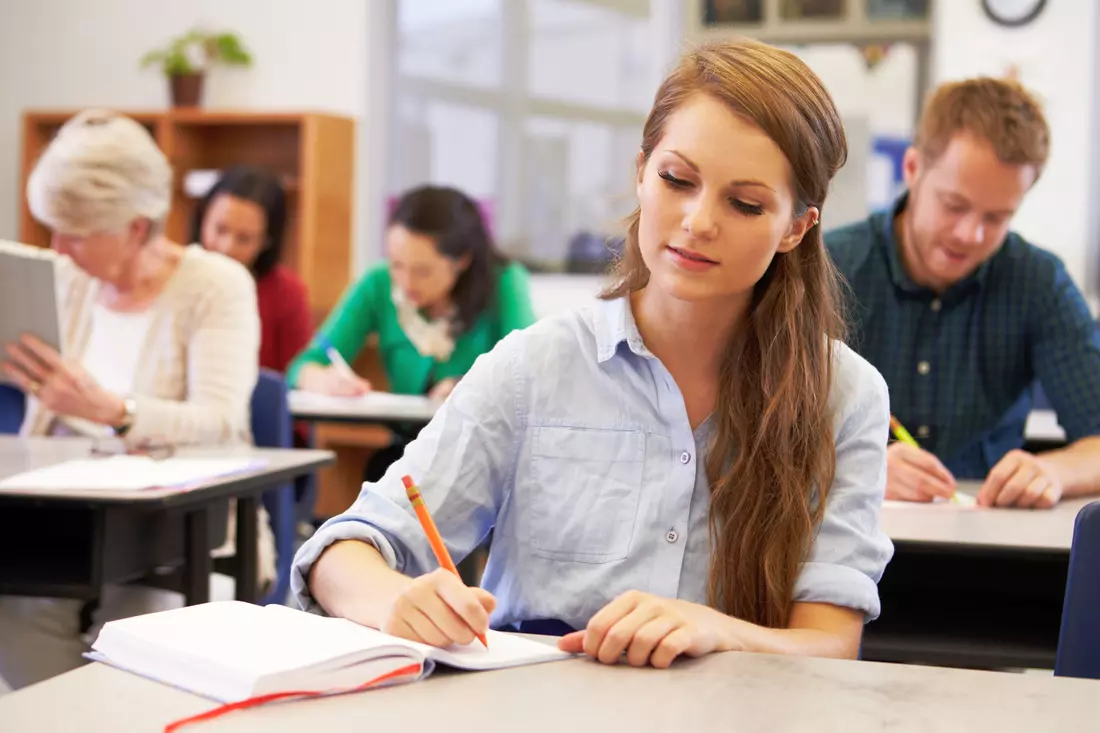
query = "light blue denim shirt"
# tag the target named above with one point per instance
(570, 440)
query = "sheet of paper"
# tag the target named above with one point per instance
(965, 501)
(505, 650)
(381, 403)
(128, 473)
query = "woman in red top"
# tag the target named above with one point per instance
(244, 216)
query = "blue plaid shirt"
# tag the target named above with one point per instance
(961, 364)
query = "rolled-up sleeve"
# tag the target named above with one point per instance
(850, 551)
(463, 462)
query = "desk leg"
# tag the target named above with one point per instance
(247, 549)
(199, 564)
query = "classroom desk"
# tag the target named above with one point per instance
(973, 587)
(378, 408)
(720, 692)
(69, 544)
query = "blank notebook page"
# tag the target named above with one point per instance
(254, 640)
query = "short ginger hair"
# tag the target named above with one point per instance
(1000, 111)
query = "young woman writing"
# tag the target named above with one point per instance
(695, 464)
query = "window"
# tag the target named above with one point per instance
(533, 107)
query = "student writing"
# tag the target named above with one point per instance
(962, 315)
(695, 463)
(444, 296)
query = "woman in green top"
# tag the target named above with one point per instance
(444, 297)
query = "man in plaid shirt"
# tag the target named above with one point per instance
(962, 316)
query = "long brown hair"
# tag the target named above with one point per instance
(772, 457)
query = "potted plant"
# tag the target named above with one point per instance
(187, 58)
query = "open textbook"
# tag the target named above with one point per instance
(28, 295)
(232, 651)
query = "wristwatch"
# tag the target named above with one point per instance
(129, 412)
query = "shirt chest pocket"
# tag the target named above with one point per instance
(586, 486)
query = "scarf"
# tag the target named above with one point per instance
(431, 338)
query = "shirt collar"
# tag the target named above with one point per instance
(614, 324)
(898, 274)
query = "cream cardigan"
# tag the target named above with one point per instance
(199, 364)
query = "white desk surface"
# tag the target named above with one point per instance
(949, 523)
(375, 406)
(24, 454)
(723, 692)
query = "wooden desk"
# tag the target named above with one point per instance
(973, 587)
(69, 543)
(722, 692)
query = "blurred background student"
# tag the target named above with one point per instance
(443, 297)
(160, 350)
(244, 216)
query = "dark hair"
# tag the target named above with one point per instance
(452, 220)
(262, 188)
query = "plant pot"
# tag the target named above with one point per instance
(186, 90)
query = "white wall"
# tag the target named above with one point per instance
(1056, 58)
(60, 53)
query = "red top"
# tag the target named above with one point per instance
(285, 321)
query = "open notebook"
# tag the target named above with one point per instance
(232, 651)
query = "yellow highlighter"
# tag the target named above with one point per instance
(903, 435)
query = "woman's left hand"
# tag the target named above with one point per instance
(61, 386)
(442, 389)
(652, 630)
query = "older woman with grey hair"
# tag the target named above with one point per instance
(160, 345)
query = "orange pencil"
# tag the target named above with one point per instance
(434, 539)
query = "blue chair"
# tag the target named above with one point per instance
(1040, 398)
(1079, 638)
(12, 405)
(271, 428)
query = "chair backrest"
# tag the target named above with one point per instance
(271, 424)
(1040, 398)
(1079, 639)
(12, 405)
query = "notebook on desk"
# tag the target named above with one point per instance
(376, 403)
(28, 296)
(232, 651)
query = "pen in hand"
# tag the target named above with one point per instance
(334, 357)
(434, 538)
(903, 435)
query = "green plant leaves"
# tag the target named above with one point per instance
(196, 51)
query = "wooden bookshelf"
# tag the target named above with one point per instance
(313, 154)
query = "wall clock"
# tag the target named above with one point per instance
(1013, 13)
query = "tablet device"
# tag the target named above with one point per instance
(28, 296)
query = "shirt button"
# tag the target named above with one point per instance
(922, 431)
(672, 536)
(923, 368)
(685, 457)
(936, 305)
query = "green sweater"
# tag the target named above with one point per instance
(366, 309)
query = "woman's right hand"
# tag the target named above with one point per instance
(328, 380)
(440, 610)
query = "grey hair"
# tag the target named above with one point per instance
(102, 171)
